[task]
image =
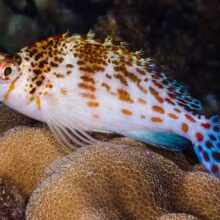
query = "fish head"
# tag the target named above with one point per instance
(15, 89)
(8, 72)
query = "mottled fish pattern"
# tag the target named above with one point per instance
(77, 84)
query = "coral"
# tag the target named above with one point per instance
(178, 158)
(24, 153)
(104, 182)
(109, 181)
(199, 195)
(12, 204)
(10, 118)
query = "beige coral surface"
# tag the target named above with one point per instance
(25, 153)
(111, 181)
(120, 179)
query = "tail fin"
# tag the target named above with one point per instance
(207, 145)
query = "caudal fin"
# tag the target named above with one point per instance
(207, 145)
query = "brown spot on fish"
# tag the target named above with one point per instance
(39, 82)
(69, 65)
(37, 71)
(142, 101)
(121, 79)
(106, 86)
(156, 95)
(142, 72)
(87, 87)
(190, 118)
(89, 95)
(33, 90)
(93, 104)
(124, 96)
(169, 101)
(108, 76)
(171, 115)
(185, 127)
(88, 79)
(158, 109)
(156, 120)
(53, 64)
(17, 59)
(126, 112)
(63, 91)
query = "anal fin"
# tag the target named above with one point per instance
(160, 139)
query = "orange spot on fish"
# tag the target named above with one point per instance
(87, 87)
(88, 95)
(142, 72)
(124, 96)
(63, 91)
(126, 112)
(185, 127)
(11, 88)
(190, 118)
(106, 86)
(142, 116)
(156, 120)
(158, 109)
(156, 95)
(171, 115)
(142, 101)
(38, 102)
(45, 93)
(93, 104)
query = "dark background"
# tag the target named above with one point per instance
(182, 35)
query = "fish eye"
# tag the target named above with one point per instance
(7, 71)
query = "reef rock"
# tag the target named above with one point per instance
(120, 181)
(12, 204)
(178, 216)
(10, 118)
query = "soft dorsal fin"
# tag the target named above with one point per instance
(160, 139)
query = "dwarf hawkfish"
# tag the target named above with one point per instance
(77, 85)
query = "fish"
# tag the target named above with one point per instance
(77, 84)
